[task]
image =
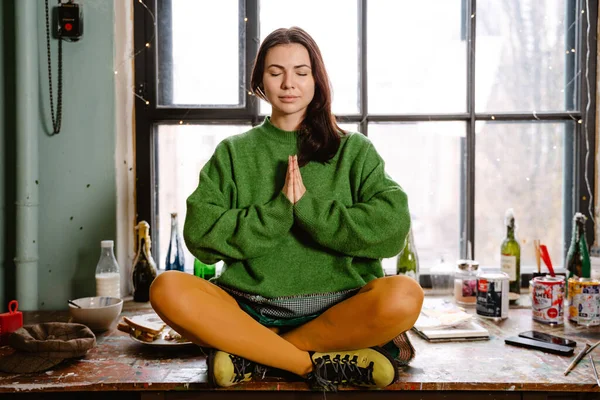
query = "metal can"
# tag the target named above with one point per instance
(492, 295)
(574, 289)
(547, 294)
(588, 302)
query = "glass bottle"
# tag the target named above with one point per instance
(578, 258)
(408, 260)
(510, 255)
(144, 267)
(108, 277)
(203, 270)
(465, 282)
(175, 257)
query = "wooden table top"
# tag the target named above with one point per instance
(120, 363)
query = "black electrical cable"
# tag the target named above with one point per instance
(56, 121)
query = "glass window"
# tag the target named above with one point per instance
(416, 57)
(200, 66)
(520, 166)
(523, 56)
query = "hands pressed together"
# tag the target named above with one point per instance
(293, 188)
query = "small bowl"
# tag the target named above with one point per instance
(98, 313)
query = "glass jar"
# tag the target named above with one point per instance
(465, 282)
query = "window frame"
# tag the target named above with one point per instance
(148, 116)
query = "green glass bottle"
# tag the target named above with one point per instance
(578, 258)
(510, 255)
(144, 267)
(203, 270)
(408, 260)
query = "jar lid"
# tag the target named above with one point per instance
(467, 265)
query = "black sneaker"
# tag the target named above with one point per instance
(371, 368)
(225, 369)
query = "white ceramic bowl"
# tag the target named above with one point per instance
(98, 313)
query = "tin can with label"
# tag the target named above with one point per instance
(574, 289)
(492, 295)
(588, 302)
(547, 294)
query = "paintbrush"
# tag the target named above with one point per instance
(574, 363)
(595, 371)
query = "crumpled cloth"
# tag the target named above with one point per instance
(42, 346)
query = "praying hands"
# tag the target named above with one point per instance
(293, 187)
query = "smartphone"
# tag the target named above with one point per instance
(545, 337)
(539, 345)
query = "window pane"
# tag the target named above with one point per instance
(333, 25)
(520, 166)
(182, 152)
(522, 56)
(202, 68)
(417, 57)
(425, 158)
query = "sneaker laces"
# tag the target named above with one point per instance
(241, 367)
(330, 371)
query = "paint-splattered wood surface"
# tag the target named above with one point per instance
(119, 363)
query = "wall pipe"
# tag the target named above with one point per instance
(27, 123)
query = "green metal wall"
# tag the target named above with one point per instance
(76, 167)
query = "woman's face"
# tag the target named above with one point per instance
(287, 79)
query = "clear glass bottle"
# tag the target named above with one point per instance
(144, 267)
(465, 282)
(175, 258)
(510, 254)
(204, 271)
(108, 277)
(408, 260)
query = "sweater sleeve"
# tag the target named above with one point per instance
(373, 227)
(215, 230)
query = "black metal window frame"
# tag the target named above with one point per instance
(148, 114)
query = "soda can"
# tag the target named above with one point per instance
(574, 289)
(588, 302)
(547, 294)
(492, 295)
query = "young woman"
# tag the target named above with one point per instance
(301, 213)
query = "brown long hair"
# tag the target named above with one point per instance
(319, 136)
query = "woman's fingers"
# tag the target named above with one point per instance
(288, 187)
(299, 188)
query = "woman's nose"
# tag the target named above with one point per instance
(288, 81)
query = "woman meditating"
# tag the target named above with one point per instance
(301, 212)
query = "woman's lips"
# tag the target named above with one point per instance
(288, 99)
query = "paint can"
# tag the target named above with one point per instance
(574, 289)
(547, 294)
(588, 302)
(492, 295)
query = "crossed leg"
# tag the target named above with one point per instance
(210, 317)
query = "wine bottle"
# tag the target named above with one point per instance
(144, 267)
(175, 257)
(578, 259)
(510, 255)
(408, 260)
(204, 271)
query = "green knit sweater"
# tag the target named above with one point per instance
(352, 215)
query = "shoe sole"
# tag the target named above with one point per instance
(210, 364)
(391, 360)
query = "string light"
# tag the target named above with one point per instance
(135, 53)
